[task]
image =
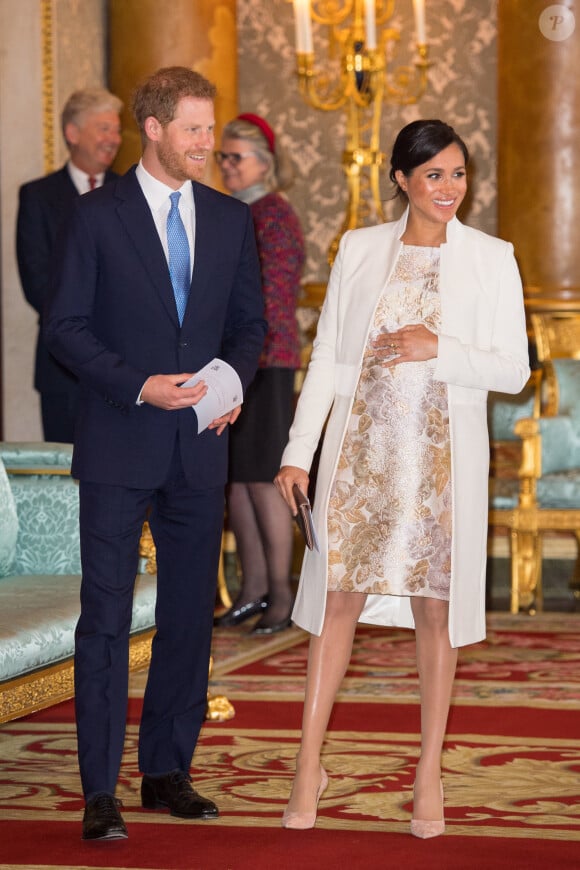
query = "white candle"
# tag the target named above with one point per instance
(419, 6)
(303, 26)
(370, 25)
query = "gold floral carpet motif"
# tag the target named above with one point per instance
(511, 760)
(518, 665)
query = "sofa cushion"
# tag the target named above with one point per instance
(568, 378)
(560, 444)
(36, 455)
(560, 490)
(38, 616)
(8, 524)
(48, 518)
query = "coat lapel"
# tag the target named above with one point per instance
(376, 259)
(135, 215)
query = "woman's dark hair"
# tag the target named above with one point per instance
(418, 142)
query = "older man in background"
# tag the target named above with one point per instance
(92, 131)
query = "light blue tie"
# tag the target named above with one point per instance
(178, 246)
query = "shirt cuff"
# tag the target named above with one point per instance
(139, 399)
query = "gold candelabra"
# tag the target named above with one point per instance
(361, 76)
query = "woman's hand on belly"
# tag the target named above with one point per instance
(411, 343)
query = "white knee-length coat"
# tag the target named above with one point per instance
(482, 346)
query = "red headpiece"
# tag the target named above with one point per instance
(262, 125)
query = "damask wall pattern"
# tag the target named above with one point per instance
(78, 30)
(462, 36)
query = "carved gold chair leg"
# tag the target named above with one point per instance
(218, 709)
(526, 572)
(222, 586)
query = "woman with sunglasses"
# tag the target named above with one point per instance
(255, 169)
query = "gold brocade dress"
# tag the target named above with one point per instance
(389, 515)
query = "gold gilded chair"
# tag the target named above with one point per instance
(547, 496)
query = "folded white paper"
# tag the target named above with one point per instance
(224, 392)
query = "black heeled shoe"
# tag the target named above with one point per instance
(259, 628)
(237, 615)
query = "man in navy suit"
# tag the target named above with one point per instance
(92, 131)
(113, 319)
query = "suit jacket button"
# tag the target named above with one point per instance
(183, 344)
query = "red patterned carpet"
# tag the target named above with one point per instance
(511, 763)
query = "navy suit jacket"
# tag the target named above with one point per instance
(44, 205)
(111, 318)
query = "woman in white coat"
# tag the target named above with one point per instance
(422, 317)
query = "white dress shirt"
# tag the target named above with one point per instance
(157, 195)
(80, 179)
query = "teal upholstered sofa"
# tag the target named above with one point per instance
(40, 579)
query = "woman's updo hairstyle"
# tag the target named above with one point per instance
(419, 142)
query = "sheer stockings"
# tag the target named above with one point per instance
(436, 663)
(262, 526)
(328, 658)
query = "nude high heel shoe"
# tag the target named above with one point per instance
(303, 821)
(424, 829)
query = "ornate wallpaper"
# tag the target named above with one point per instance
(77, 58)
(461, 91)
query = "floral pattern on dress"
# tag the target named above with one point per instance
(389, 516)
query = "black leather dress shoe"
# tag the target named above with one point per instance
(271, 629)
(236, 615)
(174, 792)
(102, 819)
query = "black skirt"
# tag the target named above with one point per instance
(260, 433)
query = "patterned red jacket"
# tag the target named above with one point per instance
(281, 250)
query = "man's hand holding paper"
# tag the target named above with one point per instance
(222, 422)
(221, 403)
(164, 391)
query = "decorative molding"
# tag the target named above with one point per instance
(47, 50)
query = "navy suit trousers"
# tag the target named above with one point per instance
(186, 525)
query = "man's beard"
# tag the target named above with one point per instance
(178, 166)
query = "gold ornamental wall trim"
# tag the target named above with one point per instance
(47, 54)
